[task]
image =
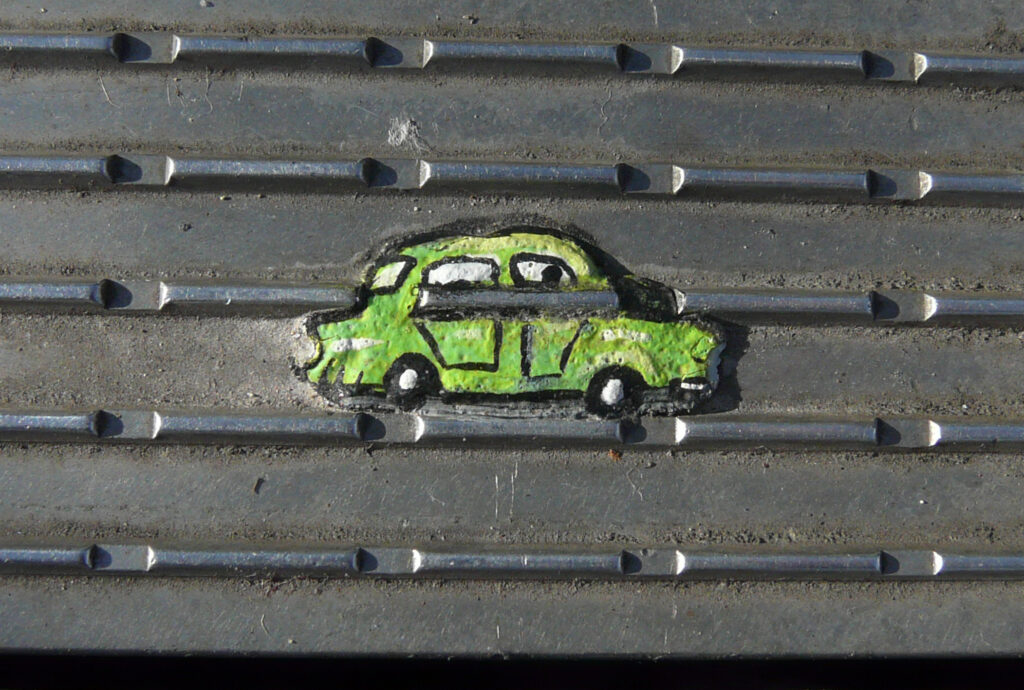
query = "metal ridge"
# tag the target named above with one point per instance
(665, 59)
(748, 306)
(130, 296)
(443, 426)
(508, 562)
(129, 170)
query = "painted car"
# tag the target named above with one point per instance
(520, 313)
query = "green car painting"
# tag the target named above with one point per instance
(523, 314)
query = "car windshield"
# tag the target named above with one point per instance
(391, 275)
(541, 270)
(463, 271)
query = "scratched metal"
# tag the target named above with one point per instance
(155, 171)
(156, 47)
(638, 563)
(838, 184)
(440, 425)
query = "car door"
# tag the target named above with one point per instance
(460, 338)
(546, 341)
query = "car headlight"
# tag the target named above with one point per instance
(352, 344)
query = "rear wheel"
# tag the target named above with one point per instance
(614, 392)
(409, 380)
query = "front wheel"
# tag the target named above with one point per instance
(409, 380)
(614, 392)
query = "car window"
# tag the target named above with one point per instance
(466, 270)
(390, 276)
(541, 270)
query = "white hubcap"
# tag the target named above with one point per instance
(407, 381)
(613, 392)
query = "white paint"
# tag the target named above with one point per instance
(613, 392)
(533, 271)
(472, 333)
(303, 347)
(680, 569)
(920, 65)
(924, 182)
(623, 334)
(680, 300)
(467, 271)
(681, 430)
(686, 385)
(407, 381)
(388, 275)
(353, 344)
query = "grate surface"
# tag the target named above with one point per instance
(841, 183)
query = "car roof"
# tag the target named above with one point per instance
(503, 247)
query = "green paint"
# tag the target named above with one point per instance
(361, 349)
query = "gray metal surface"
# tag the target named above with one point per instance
(390, 562)
(440, 425)
(160, 171)
(841, 183)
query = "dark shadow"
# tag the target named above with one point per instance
(100, 558)
(366, 561)
(630, 563)
(381, 54)
(633, 60)
(108, 425)
(632, 432)
(728, 395)
(121, 170)
(876, 66)
(131, 48)
(371, 429)
(881, 186)
(109, 672)
(376, 174)
(885, 308)
(632, 179)
(890, 564)
(888, 435)
(115, 295)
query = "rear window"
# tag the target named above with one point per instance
(541, 270)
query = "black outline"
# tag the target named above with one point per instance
(567, 352)
(464, 259)
(526, 349)
(526, 354)
(470, 366)
(520, 282)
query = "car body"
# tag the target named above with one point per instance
(518, 313)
